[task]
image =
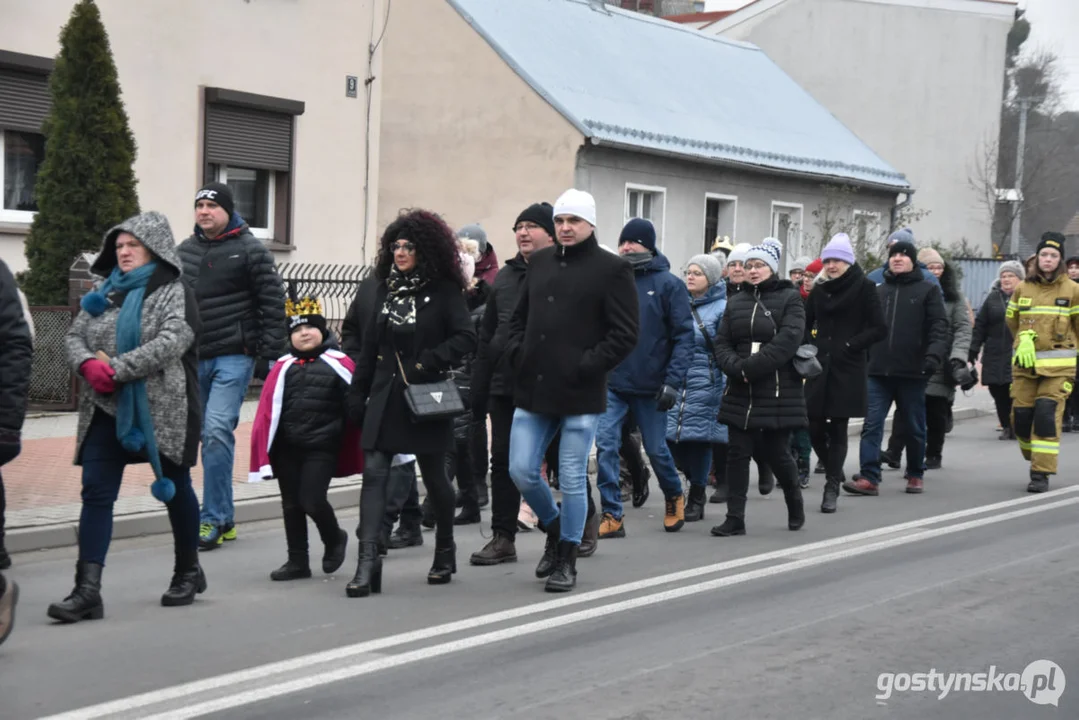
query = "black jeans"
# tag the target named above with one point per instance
(376, 486)
(1002, 399)
(103, 462)
(774, 449)
(937, 410)
(459, 465)
(304, 476)
(505, 497)
(829, 439)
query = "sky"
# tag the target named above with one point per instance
(1054, 26)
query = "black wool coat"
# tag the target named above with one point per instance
(505, 291)
(844, 319)
(993, 339)
(764, 392)
(577, 317)
(440, 339)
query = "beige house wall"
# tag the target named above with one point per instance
(167, 51)
(462, 134)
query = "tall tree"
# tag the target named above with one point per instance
(86, 183)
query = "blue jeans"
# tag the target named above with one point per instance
(909, 397)
(530, 436)
(223, 383)
(653, 426)
(695, 459)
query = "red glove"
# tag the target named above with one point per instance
(99, 374)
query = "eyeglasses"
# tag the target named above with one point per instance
(756, 265)
(694, 273)
(407, 245)
(525, 227)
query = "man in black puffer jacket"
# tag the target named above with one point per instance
(900, 366)
(242, 307)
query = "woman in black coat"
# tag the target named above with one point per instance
(843, 319)
(419, 329)
(755, 347)
(993, 340)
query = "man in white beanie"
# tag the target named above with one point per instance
(575, 321)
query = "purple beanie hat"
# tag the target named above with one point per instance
(838, 248)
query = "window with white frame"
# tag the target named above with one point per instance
(648, 202)
(23, 154)
(253, 193)
(787, 227)
(720, 212)
(866, 228)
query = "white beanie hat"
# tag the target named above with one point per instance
(576, 202)
(738, 254)
(770, 251)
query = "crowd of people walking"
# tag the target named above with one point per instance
(565, 347)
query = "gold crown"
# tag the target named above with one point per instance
(306, 306)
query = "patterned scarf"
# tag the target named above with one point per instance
(400, 305)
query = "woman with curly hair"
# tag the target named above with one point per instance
(419, 329)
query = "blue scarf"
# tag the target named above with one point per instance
(134, 425)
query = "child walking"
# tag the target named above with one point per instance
(302, 437)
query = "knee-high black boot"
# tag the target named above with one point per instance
(368, 578)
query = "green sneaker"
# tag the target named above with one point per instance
(210, 536)
(229, 532)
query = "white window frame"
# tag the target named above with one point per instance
(797, 209)
(873, 226)
(11, 216)
(654, 189)
(728, 198)
(262, 233)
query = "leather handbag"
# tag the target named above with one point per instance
(431, 401)
(806, 363)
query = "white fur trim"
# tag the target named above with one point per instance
(263, 473)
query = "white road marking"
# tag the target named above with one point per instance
(854, 543)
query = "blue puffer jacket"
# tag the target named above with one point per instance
(877, 276)
(693, 418)
(665, 339)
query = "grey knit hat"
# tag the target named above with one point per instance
(475, 232)
(1013, 266)
(710, 266)
(800, 263)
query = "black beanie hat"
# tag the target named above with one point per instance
(903, 247)
(305, 311)
(218, 193)
(541, 214)
(1052, 240)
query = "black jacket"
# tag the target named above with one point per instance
(314, 406)
(764, 392)
(356, 317)
(239, 293)
(917, 341)
(487, 378)
(464, 374)
(843, 319)
(16, 354)
(993, 339)
(440, 339)
(576, 319)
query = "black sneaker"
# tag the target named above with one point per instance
(819, 469)
(404, 537)
(892, 461)
(932, 462)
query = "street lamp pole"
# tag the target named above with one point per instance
(1017, 216)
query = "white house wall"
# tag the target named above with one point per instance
(920, 85)
(606, 172)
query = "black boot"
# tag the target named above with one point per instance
(766, 482)
(590, 539)
(384, 543)
(84, 602)
(735, 524)
(564, 576)
(892, 460)
(796, 514)
(501, 549)
(368, 578)
(695, 503)
(428, 511)
(550, 550)
(296, 567)
(640, 488)
(444, 565)
(469, 515)
(820, 469)
(188, 580)
(932, 462)
(831, 495)
(719, 497)
(404, 537)
(1039, 482)
(334, 556)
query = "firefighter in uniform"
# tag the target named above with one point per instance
(1043, 315)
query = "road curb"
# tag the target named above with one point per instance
(345, 497)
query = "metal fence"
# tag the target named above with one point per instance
(978, 277)
(333, 285)
(52, 384)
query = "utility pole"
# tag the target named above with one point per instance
(1017, 216)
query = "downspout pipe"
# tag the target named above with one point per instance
(898, 208)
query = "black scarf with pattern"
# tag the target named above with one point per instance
(400, 305)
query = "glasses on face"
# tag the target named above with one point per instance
(756, 265)
(734, 264)
(526, 227)
(407, 245)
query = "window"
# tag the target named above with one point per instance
(648, 202)
(787, 227)
(24, 103)
(719, 218)
(249, 146)
(866, 229)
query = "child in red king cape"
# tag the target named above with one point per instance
(302, 436)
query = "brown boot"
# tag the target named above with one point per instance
(675, 515)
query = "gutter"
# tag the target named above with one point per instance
(899, 207)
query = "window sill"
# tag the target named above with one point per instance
(279, 246)
(14, 227)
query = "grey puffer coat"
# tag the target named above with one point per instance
(960, 330)
(166, 359)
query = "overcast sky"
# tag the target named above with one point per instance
(1054, 26)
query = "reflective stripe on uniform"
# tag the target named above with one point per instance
(1024, 444)
(1054, 358)
(1045, 310)
(1045, 447)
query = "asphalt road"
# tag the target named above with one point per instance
(974, 573)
